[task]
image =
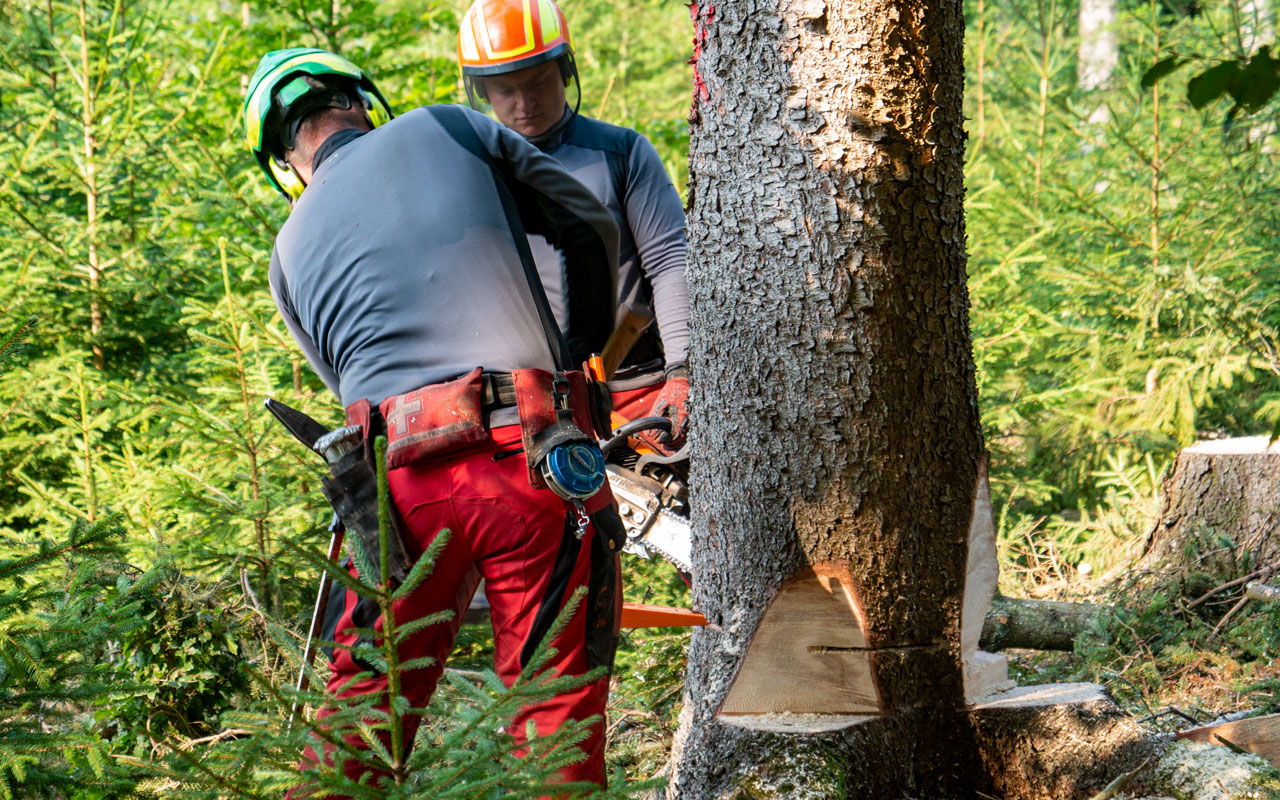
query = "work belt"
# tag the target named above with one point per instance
(558, 412)
(497, 390)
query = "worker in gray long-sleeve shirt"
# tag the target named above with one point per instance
(400, 274)
(416, 260)
(518, 56)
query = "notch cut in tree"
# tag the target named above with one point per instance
(839, 465)
(809, 655)
(809, 663)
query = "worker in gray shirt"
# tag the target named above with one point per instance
(518, 57)
(404, 276)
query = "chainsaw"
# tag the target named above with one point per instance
(651, 489)
(652, 492)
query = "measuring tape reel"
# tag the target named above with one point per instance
(569, 461)
(573, 470)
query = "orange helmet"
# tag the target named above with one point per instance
(501, 36)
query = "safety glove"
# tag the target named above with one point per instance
(673, 403)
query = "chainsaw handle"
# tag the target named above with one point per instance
(632, 428)
(653, 458)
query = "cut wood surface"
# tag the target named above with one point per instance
(983, 569)
(809, 654)
(1262, 591)
(1219, 503)
(984, 673)
(1047, 694)
(1259, 735)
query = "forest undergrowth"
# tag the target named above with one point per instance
(159, 534)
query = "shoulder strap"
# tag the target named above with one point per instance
(454, 121)
(620, 169)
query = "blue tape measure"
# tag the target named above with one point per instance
(574, 470)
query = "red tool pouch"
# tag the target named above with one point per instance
(433, 421)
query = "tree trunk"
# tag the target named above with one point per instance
(1220, 511)
(1099, 45)
(837, 444)
(838, 470)
(1255, 24)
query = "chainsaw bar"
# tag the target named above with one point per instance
(669, 537)
(652, 517)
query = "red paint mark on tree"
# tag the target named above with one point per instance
(701, 17)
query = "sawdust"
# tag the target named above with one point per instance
(789, 722)
(1200, 771)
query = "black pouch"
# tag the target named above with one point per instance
(352, 490)
(604, 589)
(364, 615)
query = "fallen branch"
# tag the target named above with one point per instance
(1117, 786)
(1037, 624)
(1232, 746)
(1170, 710)
(1264, 573)
(1262, 591)
(1227, 617)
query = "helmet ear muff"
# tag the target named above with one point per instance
(375, 107)
(286, 179)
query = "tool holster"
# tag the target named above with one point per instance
(352, 485)
(353, 493)
(352, 490)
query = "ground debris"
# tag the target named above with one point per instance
(1200, 771)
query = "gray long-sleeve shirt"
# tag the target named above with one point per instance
(622, 169)
(397, 267)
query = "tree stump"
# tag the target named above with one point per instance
(1221, 508)
(1062, 740)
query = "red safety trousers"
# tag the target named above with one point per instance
(636, 403)
(510, 534)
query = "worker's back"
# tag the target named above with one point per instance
(398, 262)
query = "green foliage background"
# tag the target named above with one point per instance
(1121, 268)
(1121, 274)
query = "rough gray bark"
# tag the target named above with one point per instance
(1221, 510)
(836, 418)
(1066, 750)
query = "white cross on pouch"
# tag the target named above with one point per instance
(399, 412)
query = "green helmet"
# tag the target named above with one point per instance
(287, 85)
